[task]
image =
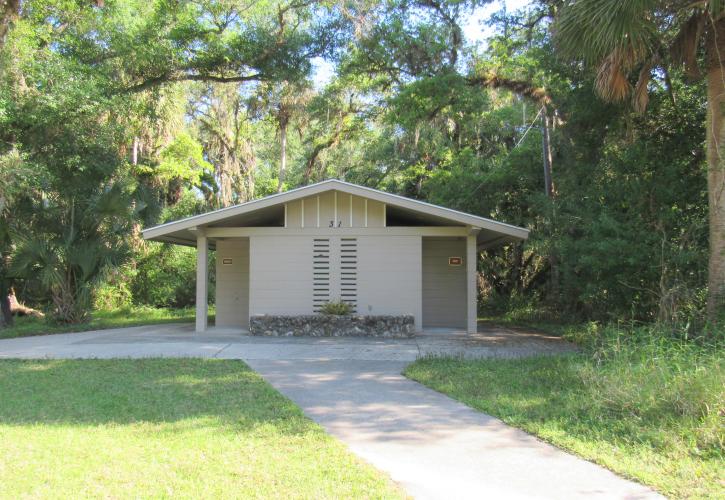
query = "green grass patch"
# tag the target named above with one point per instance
(164, 429)
(100, 320)
(649, 410)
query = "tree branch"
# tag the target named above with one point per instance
(520, 87)
(170, 78)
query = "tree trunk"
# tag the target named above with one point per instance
(9, 11)
(6, 314)
(283, 154)
(716, 171)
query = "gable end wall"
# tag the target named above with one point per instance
(343, 210)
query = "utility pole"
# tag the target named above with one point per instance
(546, 146)
(554, 290)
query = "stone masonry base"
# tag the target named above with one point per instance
(328, 325)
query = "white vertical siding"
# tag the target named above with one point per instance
(327, 209)
(376, 214)
(341, 209)
(294, 213)
(310, 211)
(389, 276)
(358, 211)
(232, 283)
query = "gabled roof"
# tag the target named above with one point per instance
(175, 231)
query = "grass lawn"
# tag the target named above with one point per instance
(653, 413)
(117, 318)
(165, 428)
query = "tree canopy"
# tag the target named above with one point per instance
(115, 115)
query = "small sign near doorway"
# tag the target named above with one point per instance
(227, 262)
(455, 261)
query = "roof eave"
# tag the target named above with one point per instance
(155, 233)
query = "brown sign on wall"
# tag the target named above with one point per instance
(227, 262)
(455, 261)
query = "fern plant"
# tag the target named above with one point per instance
(339, 308)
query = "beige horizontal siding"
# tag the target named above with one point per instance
(388, 274)
(389, 279)
(444, 286)
(281, 275)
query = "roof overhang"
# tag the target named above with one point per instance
(254, 213)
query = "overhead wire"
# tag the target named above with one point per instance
(533, 122)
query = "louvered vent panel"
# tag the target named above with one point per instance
(320, 273)
(348, 271)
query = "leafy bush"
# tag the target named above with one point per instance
(166, 277)
(115, 292)
(336, 308)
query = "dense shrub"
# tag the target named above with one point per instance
(115, 292)
(166, 276)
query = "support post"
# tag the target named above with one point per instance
(202, 281)
(471, 295)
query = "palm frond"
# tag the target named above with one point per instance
(684, 47)
(592, 30)
(86, 257)
(36, 257)
(611, 82)
(640, 99)
(110, 203)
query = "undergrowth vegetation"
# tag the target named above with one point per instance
(644, 402)
(649, 376)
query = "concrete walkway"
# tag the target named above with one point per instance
(180, 340)
(432, 445)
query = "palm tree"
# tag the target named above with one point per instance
(638, 37)
(226, 133)
(76, 241)
(283, 102)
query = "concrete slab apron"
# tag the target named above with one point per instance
(432, 445)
